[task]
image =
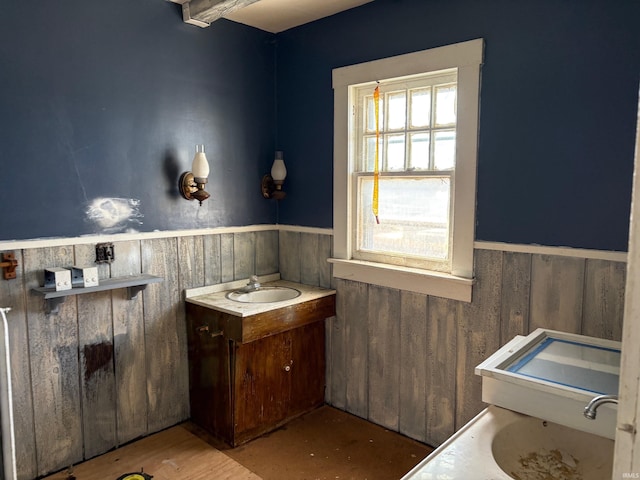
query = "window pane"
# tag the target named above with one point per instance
(413, 214)
(445, 105)
(421, 108)
(370, 123)
(370, 153)
(397, 110)
(444, 152)
(395, 152)
(420, 151)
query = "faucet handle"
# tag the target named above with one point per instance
(253, 279)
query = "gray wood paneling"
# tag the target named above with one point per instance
(356, 314)
(267, 252)
(440, 376)
(191, 265)
(401, 359)
(516, 287)
(129, 347)
(310, 259)
(12, 294)
(325, 251)
(604, 299)
(226, 258)
(413, 365)
(337, 355)
(328, 326)
(53, 352)
(315, 250)
(514, 294)
(289, 247)
(97, 375)
(106, 369)
(384, 358)
(212, 260)
(556, 293)
(244, 255)
(165, 338)
(478, 333)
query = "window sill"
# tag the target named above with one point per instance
(403, 278)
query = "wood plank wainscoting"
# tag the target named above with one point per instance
(106, 370)
(406, 361)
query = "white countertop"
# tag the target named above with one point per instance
(214, 296)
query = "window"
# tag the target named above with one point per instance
(427, 148)
(416, 131)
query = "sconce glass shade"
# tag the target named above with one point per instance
(200, 166)
(278, 169)
(191, 184)
(272, 184)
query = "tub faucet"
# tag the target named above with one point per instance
(253, 285)
(592, 406)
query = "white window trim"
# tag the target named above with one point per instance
(467, 58)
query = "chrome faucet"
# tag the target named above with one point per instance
(592, 406)
(252, 286)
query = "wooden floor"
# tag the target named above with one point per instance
(325, 444)
(169, 455)
(329, 444)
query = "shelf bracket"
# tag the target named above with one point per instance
(132, 291)
(52, 305)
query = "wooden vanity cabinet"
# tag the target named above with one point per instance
(239, 391)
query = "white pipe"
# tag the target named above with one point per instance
(6, 406)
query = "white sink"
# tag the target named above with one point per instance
(264, 295)
(499, 444)
(553, 375)
(531, 449)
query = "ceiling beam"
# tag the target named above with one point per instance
(203, 12)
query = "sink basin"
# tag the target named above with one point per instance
(532, 449)
(264, 295)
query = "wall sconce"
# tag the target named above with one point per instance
(272, 184)
(191, 184)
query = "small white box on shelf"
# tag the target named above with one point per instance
(84, 276)
(58, 278)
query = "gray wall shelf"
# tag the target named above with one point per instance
(133, 284)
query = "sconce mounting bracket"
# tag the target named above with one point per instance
(191, 189)
(187, 185)
(270, 189)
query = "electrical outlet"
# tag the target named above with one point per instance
(105, 253)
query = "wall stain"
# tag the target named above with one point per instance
(97, 356)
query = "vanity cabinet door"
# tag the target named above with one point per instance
(308, 368)
(277, 378)
(262, 384)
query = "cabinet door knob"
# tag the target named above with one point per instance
(287, 367)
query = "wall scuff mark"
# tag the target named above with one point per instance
(114, 215)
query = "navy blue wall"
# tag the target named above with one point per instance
(558, 109)
(108, 99)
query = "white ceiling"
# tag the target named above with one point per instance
(279, 15)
